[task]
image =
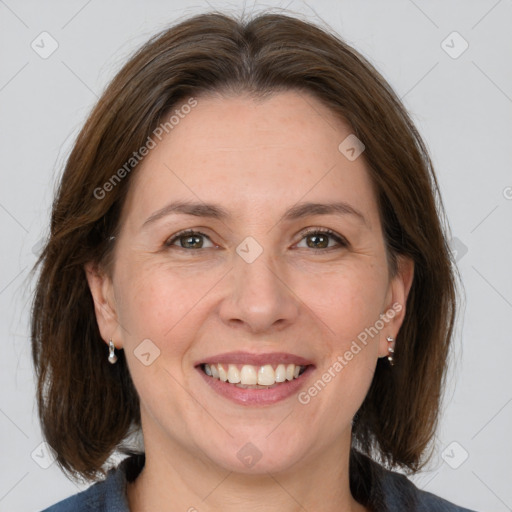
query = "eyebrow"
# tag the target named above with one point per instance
(215, 211)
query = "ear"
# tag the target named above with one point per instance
(395, 304)
(102, 291)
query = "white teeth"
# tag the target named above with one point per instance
(280, 373)
(222, 373)
(233, 374)
(250, 375)
(266, 375)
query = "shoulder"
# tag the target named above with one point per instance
(401, 494)
(108, 495)
(384, 490)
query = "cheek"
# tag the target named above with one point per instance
(348, 301)
(157, 299)
(350, 306)
(160, 313)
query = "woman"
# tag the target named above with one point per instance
(247, 264)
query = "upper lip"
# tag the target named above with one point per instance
(255, 359)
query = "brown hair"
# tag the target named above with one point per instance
(87, 407)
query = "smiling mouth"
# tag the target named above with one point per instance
(248, 376)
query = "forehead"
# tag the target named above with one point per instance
(253, 156)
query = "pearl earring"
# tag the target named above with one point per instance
(391, 351)
(112, 358)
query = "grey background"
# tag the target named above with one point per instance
(462, 107)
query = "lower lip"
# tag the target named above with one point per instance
(270, 396)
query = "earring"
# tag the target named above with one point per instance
(112, 358)
(391, 351)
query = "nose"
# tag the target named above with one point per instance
(260, 297)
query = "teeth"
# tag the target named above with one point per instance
(233, 374)
(222, 373)
(249, 375)
(266, 375)
(280, 373)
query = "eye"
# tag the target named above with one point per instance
(319, 239)
(188, 239)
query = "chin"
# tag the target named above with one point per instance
(258, 457)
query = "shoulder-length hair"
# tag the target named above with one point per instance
(88, 407)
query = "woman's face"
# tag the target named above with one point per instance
(251, 288)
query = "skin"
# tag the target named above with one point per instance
(256, 159)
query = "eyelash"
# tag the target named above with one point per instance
(315, 231)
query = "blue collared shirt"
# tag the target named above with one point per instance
(399, 494)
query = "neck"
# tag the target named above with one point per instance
(179, 481)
